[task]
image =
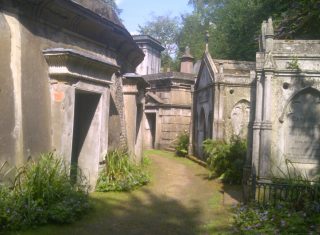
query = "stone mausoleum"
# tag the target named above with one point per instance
(221, 100)
(60, 61)
(168, 105)
(286, 106)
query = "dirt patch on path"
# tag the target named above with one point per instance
(187, 182)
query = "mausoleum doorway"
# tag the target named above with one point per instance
(150, 130)
(86, 126)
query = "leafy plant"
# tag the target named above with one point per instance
(121, 174)
(182, 144)
(42, 193)
(279, 219)
(226, 160)
(293, 64)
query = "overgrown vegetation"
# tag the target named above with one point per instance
(226, 160)
(292, 208)
(42, 193)
(279, 219)
(121, 174)
(182, 144)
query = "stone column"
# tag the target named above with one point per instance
(221, 109)
(133, 95)
(257, 126)
(130, 93)
(266, 128)
(215, 110)
(192, 123)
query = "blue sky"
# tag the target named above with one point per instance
(135, 12)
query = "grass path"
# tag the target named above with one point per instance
(179, 200)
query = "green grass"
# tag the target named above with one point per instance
(169, 155)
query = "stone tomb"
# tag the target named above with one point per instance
(286, 128)
(58, 63)
(221, 100)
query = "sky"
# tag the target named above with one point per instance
(138, 12)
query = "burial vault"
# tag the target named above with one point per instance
(222, 97)
(59, 60)
(286, 125)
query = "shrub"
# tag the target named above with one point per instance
(279, 219)
(226, 160)
(42, 193)
(182, 144)
(121, 174)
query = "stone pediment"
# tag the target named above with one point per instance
(72, 64)
(207, 73)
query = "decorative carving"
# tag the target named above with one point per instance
(240, 118)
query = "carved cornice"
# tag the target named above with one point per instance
(67, 63)
(77, 17)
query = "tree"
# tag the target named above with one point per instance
(234, 25)
(114, 6)
(166, 30)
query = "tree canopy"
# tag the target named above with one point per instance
(234, 25)
(166, 30)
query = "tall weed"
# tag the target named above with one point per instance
(226, 160)
(182, 144)
(42, 193)
(121, 174)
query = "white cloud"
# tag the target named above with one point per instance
(118, 1)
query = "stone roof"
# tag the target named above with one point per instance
(93, 19)
(148, 40)
(101, 8)
(188, 77)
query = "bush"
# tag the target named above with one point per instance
(279, 219)
(121, 174)
(182, 144)
(42, 193)
(226, 160)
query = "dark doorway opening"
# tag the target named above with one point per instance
(85, 107)
(151, 118)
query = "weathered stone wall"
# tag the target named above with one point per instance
(174, 121)
(169, 100)
(117, 128)
(8, 102)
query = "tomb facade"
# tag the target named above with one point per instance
(59, 61)
(285, 131)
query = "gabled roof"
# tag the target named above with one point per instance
(207, 62)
